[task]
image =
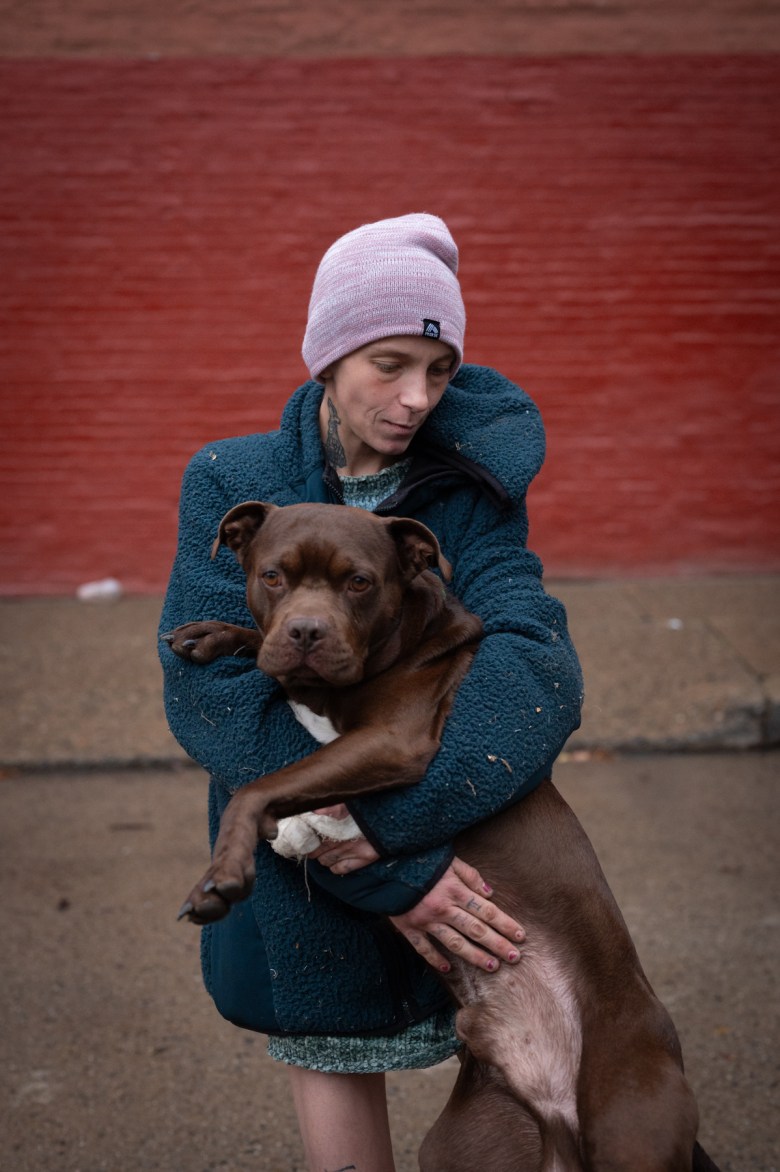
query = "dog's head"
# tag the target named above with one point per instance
(325, 584)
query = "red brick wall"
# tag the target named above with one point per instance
(617, 218)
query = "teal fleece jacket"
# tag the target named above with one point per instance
(311, 952)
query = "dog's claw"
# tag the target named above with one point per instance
(208, 886)
(185, 910)
(168, 637)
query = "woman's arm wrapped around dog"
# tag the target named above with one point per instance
(513, 712)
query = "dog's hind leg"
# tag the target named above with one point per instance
(641, 1118)
(482, 1128)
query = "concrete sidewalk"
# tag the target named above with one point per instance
(115, 1060)
(670, 664)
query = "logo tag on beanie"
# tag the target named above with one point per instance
(431, 329)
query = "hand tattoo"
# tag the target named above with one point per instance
(334, 449)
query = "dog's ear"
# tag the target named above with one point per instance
(239, 526)
(418, 548)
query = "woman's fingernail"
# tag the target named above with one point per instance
(513, 956)
(444, 967)
(520, 935)
(488, 890)
(491, 965)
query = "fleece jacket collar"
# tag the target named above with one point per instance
(464, 439)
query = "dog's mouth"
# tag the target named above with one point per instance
(305, 677)
(310, 669)
(302, 676)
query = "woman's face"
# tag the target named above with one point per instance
(377, 398)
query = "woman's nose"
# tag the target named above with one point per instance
(413, 392)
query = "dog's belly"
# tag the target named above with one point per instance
(524, 1021)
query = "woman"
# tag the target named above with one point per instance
(390, 421)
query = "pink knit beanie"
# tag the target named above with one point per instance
(385, 279)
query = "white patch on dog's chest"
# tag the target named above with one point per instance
(320, 727)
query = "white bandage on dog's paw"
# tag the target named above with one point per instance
(303, 833)
(295, 838)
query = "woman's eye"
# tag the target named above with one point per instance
(272, 577)
(358, 583)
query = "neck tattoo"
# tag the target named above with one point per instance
(334, 449)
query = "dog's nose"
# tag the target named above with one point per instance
(305, 632)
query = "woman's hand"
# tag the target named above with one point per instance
(457, 911)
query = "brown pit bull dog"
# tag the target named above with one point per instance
(571, 1062)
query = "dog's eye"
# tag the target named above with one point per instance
(272, 577)
(358, 583)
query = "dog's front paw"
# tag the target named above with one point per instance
(231, 875)
(221, 887)
(204, 642)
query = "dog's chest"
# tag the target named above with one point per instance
(320, 727)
